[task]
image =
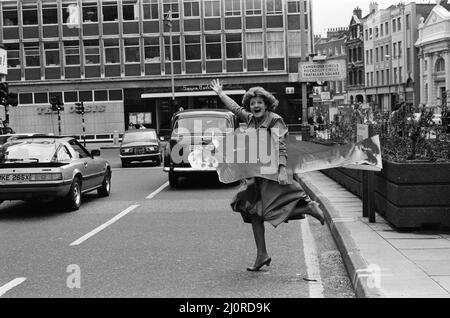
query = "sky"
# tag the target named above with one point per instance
(338, 13)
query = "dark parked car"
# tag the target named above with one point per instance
(186, 135)
(140, 145)
(46, 167)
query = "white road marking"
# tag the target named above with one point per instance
(153, 194)
(105, 225)
(137, 168)
(311, 261)
(15, 282)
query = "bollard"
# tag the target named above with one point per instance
(116, 137)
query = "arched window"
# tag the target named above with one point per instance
(440, 65)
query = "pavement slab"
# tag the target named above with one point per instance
(381, 261)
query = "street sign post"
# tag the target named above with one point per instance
(368, 196)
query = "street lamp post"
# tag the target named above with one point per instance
(168, 20)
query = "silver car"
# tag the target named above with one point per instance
(47, 167)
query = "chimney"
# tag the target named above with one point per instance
(373, 7)
(358, 12)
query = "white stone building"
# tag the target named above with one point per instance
(434, 54)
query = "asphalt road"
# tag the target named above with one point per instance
(148, 240)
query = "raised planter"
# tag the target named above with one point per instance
(414, 195)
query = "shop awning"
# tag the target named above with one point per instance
(193, 93)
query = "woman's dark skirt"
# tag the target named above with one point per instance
(272, 202)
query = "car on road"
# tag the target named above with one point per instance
(140, 145)
(45, 168)
(190, 129)
(4, 138)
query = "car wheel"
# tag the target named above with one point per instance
(173, 179)
(158, 161)
(73, 199)
(105, 189)
(125, 164)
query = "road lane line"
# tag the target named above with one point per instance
(105, 225)
(15, 282)
(312, 261)
(153, 194)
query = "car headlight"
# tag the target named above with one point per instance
(153, 148)
(127, 150)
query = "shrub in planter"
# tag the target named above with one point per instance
(413, 189)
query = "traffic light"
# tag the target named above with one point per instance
(3, 93)
(79, 108)
(56, 103)
(12, 99)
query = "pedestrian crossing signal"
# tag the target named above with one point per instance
(79, 108)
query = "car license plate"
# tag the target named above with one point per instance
(14, 177)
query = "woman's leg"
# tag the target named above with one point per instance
(262, 257)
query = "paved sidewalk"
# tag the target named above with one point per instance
(381, 261)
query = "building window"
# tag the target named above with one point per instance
(151, 50)
(112, 54)
(192, 47)
(232, 7)
(172, 6)
(49, 13)
(69, 97)
(253, 7)
(294, 44)
(72, 52)
(70, 13)
(32, 55)
(115, 94)
(13, 55)
(130, 10)
(51, 54)
(191, 8)
(440, 65)
(212, 8)
(274, 7)
(10, 14)
(41, 98)
(175, 48)
(399, 24)
(394, 26)
(131, 47)
(213, 46)
(109, 9)
(254, 43)
(91, 52)
(275, 45)
(101, 95)
(408, 22)
(293, 6)
(234, 45)
(90, 12)
(29, 14)
(150, 9)
(386, 27)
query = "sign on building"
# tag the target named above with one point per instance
(322, 71)
(3, 62)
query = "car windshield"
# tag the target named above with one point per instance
(139, 136)
(28, 150)
(201, 124)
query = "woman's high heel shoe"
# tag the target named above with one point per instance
(316, 212)
(258, 267)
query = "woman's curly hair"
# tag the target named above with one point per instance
(270, 100)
